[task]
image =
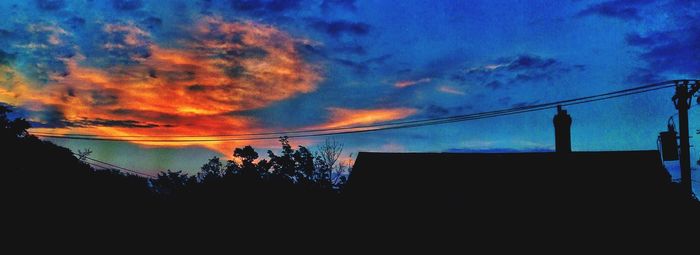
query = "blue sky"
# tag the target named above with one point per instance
(389, 59)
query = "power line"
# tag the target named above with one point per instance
(114, 166)
(653, 86)
(387, 126)
(393, 125)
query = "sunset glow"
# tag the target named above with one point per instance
(192, 90)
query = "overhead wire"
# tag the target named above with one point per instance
(374, 127)
(102, 164)
(353, 129)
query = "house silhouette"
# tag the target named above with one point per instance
(490, 184)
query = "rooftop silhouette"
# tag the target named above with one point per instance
(534, 184)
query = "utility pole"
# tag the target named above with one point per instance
(684, 93)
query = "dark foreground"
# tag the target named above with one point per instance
(47, 188)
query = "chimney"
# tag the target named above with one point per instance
(562, 131)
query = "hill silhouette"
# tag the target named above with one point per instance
(41, 177)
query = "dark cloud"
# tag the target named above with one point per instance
(75, 22)
(153, 116)
(42, 46)
(311, 50)
(114, 123)
(52, 117)
(525, 68)
(5, 33)
(679, 54)
(261, 5)
(127, 5)
(245, 52)
(64, 52)
(643, 76)
(435, 68)
(234, 71)
(197, 88)
(337, 54)
(122, 111)
(380, 60)
(152, 22)
(327, 5)
(671, 50)
(621, 9)
(6, 58)
(341, 27)
(103, 98)
(351, 49)
(526, 62)
(186, 75)
(118, 44)
(282, 5)
(205, 5)
(47, 68)
(494, 84)
(505, 100)
(364, 65)
(50, 5)
(70, 92)
(350, 63)
(247, 5)
(436, 111)
(635, 39)
(532, 77)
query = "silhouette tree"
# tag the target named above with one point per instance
(170, 183)
(248, 168)
(84, 154)
(283, 166)
(340, 177)
(328, 154)
(43, 177)
(11, 129)
(213, 169)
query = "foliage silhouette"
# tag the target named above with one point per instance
(44, 177)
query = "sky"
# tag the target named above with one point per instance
(211, 67)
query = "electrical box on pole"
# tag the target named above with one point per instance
(669, 144)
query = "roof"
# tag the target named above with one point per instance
(465, 179)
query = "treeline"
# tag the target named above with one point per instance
(43, 177)
(291, 179)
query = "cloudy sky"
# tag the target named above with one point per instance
(207, 67)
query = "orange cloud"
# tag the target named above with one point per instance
(191, 90)
(341, 117)
(407, 83)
